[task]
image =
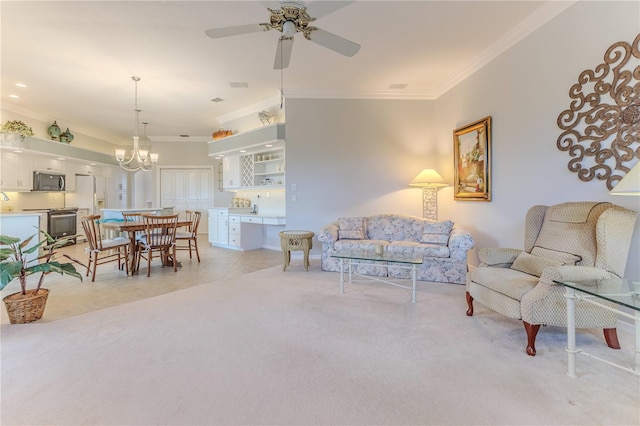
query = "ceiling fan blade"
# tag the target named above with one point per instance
(233, 31)
(334, 42)
(318, 9)
(283, 53)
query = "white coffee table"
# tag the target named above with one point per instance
(390, 259)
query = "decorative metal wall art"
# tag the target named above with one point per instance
(601, 128)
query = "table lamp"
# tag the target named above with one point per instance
(429, 180)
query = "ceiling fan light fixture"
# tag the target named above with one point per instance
(289, 29)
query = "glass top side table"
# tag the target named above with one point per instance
(624, 293)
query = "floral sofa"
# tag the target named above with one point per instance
(443, 245)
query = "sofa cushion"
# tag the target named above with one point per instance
(351, 228)
(436, 232)
(560, 256)
(509, 282)
(423, 249)
(533, 265)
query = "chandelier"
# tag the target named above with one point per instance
(141, 158)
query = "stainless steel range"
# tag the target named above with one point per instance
(61, 222)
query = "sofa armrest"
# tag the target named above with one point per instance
(460, 239)
(573, 273)
(328, 234)
(498, 257)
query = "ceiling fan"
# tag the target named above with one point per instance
(291, 17)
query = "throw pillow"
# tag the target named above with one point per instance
(436, 232)
(533, 265)
(351, 228)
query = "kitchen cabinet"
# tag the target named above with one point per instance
(16, 171)
(47, 164)
(219, 226)
(86, 169)
(245, 232)
(79, 229)
(231, 172)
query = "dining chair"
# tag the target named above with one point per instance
(159, 237)
(190, 235)
(103, 250)
(131, 216)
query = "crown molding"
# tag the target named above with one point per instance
(359, 94)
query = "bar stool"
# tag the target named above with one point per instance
(296, 240)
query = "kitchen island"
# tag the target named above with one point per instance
(117, 213)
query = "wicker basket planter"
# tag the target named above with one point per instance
(24, 308)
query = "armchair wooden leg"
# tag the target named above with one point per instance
(469, 304)
(532, 332)
(611, 336)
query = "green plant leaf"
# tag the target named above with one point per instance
(6, 240)
(6, 253)
(26, 242)
(8, 272)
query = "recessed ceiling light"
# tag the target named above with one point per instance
(217, 100)
(18, 151)
(243, 150)
(61, 158)
(239, 84)
(398, 86)
(21, 85)
(268, 145)
(14, 96)
(92, 164)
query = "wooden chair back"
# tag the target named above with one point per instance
(160, 231)
(91, 226)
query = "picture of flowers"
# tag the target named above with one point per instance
(472, 158)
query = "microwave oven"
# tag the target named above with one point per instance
(43, 181)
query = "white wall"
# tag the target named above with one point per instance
(356, 157)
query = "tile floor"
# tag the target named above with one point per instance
(70, 297)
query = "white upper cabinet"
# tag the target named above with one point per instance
(231, 172)
(16, 171)
(43, 163)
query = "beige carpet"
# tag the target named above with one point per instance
(275, 347)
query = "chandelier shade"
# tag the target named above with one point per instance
(141, 157)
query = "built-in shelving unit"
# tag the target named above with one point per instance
(251, 160)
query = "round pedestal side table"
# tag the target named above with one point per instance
(295, 240)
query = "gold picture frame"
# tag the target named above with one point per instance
(472, 161)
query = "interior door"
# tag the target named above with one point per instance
(187, 189)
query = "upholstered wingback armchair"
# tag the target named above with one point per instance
(569, 241)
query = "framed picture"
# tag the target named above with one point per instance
(472, 161)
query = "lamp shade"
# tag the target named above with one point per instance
(630, 184)
(428, 178)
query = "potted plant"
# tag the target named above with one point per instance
(15, 262)
(17, 126)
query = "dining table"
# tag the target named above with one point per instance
(132, 228)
